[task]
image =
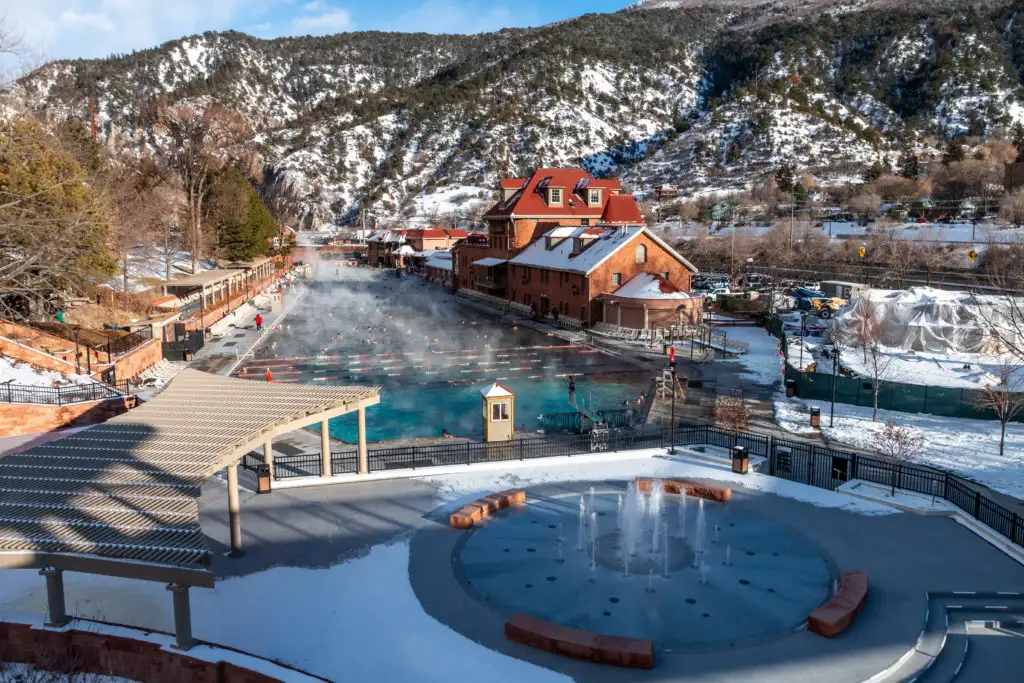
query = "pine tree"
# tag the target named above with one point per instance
(874, 172)
(909, 165)
(955, 151)
(1018, 140)
(785, 177)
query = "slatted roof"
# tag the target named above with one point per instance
(128, 489)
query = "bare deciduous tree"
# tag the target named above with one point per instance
(897, 445)
(1011, 208)
(201, 141)
(731, 414)
(1002, 400)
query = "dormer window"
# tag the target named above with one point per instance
(594, 197)
(555, 196)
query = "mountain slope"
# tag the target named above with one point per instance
(419, 127)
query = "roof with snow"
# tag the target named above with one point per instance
(597, 246)
(530, 199)
(440, 259)
(651, 286)
(489, 262)
(496, 390)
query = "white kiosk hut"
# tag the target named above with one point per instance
(499, 413)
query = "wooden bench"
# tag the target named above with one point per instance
(839, 613)
(470, 514)
(571, 642)
(692, 488)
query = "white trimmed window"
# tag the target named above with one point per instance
(499, 411)
(594, 197)
(555, 196)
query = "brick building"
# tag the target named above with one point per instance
(530, 207)
(619, 275)
(392, 248)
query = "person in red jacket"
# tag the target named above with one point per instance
(259, 322)
(270, 377)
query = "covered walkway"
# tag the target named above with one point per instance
(121, 498)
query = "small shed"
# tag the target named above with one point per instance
(498, 412)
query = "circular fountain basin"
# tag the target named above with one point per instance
(759, 579)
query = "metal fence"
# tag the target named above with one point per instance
(797, 461)
(129, 342)
(59, 396)
(176, 350)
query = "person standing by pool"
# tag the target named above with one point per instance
(572, 388)
(259, 322)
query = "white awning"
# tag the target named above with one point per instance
(489, 262)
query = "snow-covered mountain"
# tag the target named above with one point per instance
(419, 127)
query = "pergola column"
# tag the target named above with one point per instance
(325, 449)
(268, 456)
(618, 308)
(645, 316)
(183, 639)
(55, 596)
(364, 467)
(234, 513)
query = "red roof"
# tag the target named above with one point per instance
(512, 183)
(621, 209)
(530, 201)
(425, 233)
(457, 232)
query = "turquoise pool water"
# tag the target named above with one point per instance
(431, 356)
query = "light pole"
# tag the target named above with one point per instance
(78, 357)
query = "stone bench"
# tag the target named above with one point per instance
(572, 642)
(470, 514)
(839, 613)
(677, 486)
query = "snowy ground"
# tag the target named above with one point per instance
(921, 367)
(360, 620)
(147, 266)
(762, 363)
(963, 446)
(16, 372)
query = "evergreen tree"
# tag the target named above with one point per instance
(1018, 140)
(800, 195)
(874, 172)
(244, 224)
(955, 151)
(785, 177)
(909, 165)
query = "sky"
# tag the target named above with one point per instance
(55, 29)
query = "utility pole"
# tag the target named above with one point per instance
(672, 422)
(92, 117)
(792, 217)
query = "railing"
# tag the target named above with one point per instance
(59, 396)
(129, 342)
(793, 460)
(176, 350)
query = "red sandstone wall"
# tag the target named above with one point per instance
(138, 360)
(115, 655)
(17, 419)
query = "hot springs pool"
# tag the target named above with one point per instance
(431, 357)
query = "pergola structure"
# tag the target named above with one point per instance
(122, 498)
(214, 286)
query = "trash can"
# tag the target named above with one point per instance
(790, 388)
(263, 478)
(816, 418)
(740, 460)
(186, 355)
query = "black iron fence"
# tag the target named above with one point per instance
(129, 342)
(176, 350)
(796, 461)
(59, 396)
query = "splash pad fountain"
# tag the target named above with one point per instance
(681, 571)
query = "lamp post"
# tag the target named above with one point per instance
(672, 419)
(78, 356)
